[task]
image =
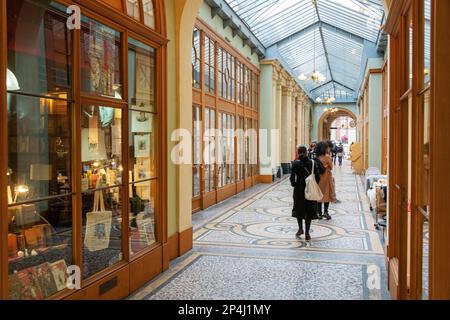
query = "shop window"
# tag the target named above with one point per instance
(210, 149)
(149, 13)
(226, 149)
(39, 150)
(209, 65)
(248, 87)
(43, 69)
(221, 81)
(142, 145)
(255, 99)
(427, 41)
(100, 59)
(240, 148)
(133, 9)
(102, 174)
(141, 76)
(196, 59)
(240, 83)
(197, 151)
(248, 148)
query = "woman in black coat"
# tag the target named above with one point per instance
(303, 209)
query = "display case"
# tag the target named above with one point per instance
(82, 181)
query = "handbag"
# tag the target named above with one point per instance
(312, 189)
(98, 225)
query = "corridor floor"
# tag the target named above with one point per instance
(245, 248)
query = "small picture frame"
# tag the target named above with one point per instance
(142, 146)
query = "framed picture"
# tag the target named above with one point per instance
(141, 122)
(144, 82)
(142, 146)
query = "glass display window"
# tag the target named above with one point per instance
(39, 49)
(141, 76)
(100, 59)
(196, 59)
(101, 181)
(149, 13)
(133, 9)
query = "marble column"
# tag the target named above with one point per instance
(286, 132)
(278, 126)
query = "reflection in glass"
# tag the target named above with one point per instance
(149, 14)
(425, 260)
(39, 47)
(142, 145)
(142, 215)
(102, 237)
(39, 248)
(197, 151)
(100, 59)
(101, 147)
(39, 141)
(141, 76)
(133, 9)
(196, 59)
(427, 41)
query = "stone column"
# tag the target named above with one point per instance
(278, 125)
(293, 123)
(276, 133)
(286, 132)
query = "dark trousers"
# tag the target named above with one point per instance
(307, 225)
(325, 206)
(340, 161)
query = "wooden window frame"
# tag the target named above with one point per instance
(128, 27)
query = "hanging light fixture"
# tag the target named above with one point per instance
(11, 81)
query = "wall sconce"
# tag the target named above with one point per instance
(11, 81)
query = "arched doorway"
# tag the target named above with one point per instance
(329, 117)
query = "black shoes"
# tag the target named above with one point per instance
(299, 233)
(308, 237)
(327, 216)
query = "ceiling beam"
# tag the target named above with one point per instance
(324, 25)
(323, 44)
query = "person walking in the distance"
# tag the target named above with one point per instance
(303, 208)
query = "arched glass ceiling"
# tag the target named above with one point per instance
(331, 35)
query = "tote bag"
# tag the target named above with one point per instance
(98, 225)
(312, 189)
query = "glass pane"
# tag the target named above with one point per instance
(141, 76)
(425, 259)
(149, 14)
(39, 48)
(102, 235)
(142, 146)
(100, 59)
(426, 160)
(39, 143)
(101, 147)
(133, 9)
(142, 216)
(39, 248)
(196, 59)
(427, 40)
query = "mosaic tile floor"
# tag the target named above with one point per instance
(245, 248)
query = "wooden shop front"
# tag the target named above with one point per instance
(82, 160)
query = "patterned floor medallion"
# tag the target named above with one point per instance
(257, 237)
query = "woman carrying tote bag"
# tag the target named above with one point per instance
(304, 209)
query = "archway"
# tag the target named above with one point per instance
(327, 119)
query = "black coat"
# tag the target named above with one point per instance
(301, 169)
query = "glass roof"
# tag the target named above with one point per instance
(328, 37)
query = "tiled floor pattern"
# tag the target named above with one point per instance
(245, 248)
